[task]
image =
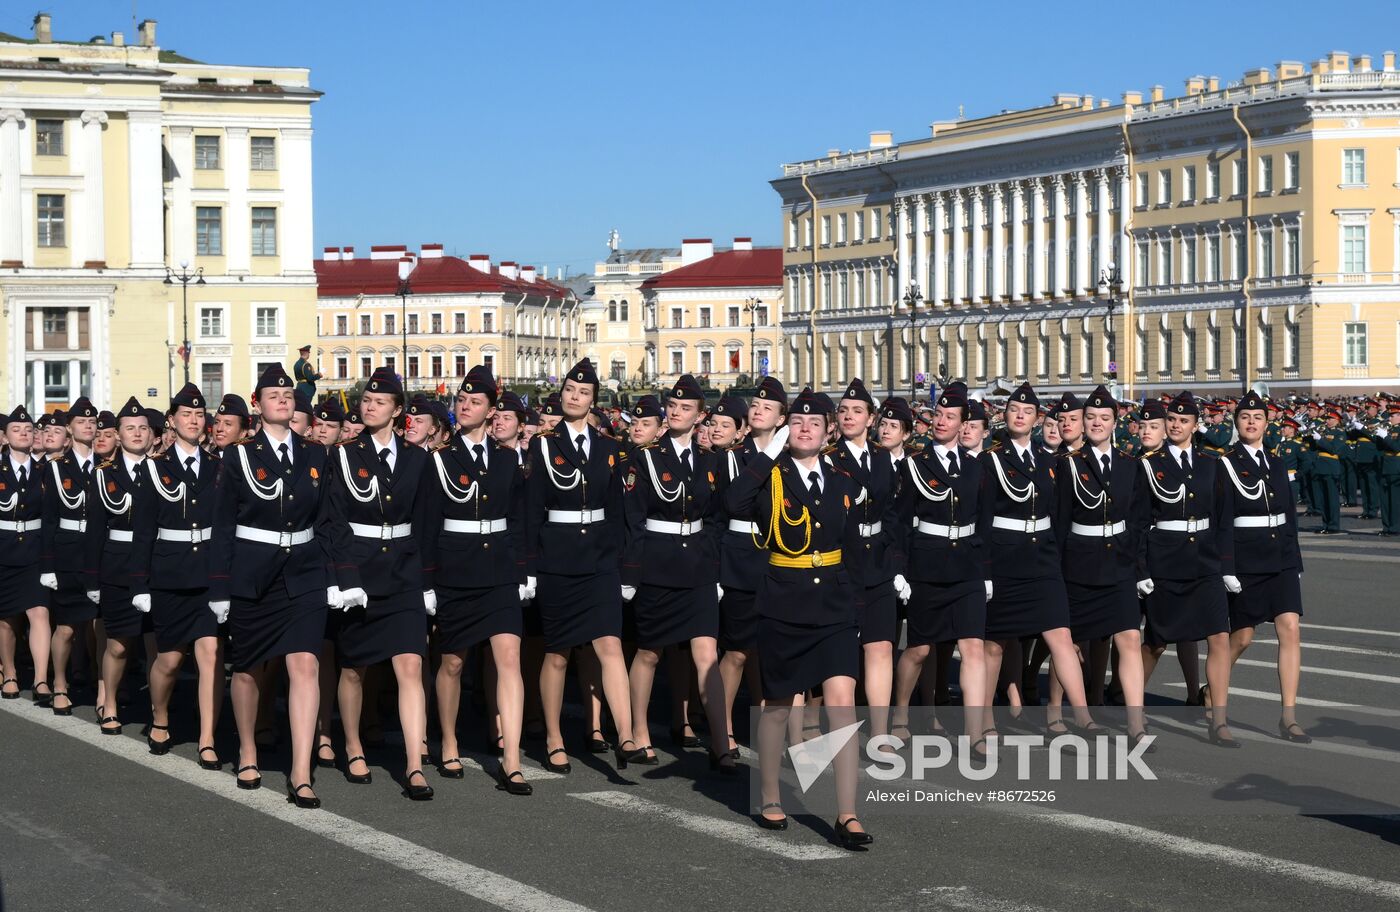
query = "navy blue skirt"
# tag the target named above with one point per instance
(388, 626)
(1096, 612)
(69, 605)
(119, 617)
(1026, 607)
(738, 620)
(181, 616)
(878, 617)
(1264, 597)
(575, 610)
(276, 625)
(947, 612)
(1182, 610)
(20, 591)
(794, 658)
(466, 617)
(665, 616)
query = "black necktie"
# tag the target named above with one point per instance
(87, 468)
(952, 462)
(189, 469)
(384, 462)
(685, 461)
(865, 461)
(814, 482)
(583, 456)
(1029, 460)
(479, 457)
(286, 458)
(23, 475)
(1185, 461)
(1103, 458)
(1264, 466)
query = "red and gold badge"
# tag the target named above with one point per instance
(262, 474)
(558, 460)
(629, 481)
(787, 503)
(1161, 475)
(314, 474)
(165, 479)
(711, 477)
(1083, 476)
(1052, 474)
(665, 476)
(111, 487)
(363, 473)
(462, 479)
(67, 484)
(847, 499)
(610, 462)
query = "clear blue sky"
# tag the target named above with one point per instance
(528, 130)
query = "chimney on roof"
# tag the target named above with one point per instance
(1259, 76)
(387, 251)
(1066, 99)
(1132, 98)
(43, 28)
(431, 252)
(347, 254)
(743, 243)
(1158, 93)
(118, 39)
(1088, 103)
(527, 274)
(1290, 69)
(510, 269)
(1340, 61)
(147, 33)
(693, 250)
(332, 255)
(1361, 64)
(1213, 84)
(1388, 61)
(881, 139)
(1105, 103)
(1195, 85)
(481, 262)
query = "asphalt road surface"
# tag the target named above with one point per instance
(93, 822)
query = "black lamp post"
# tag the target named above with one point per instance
(911, 301)
(751, 305)
(1111, 287)
(405, 268)
(185, 277)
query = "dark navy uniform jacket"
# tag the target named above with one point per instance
(817, 595)
(21, 503)
(67, 495)
(559, 479)
(1169, 493)
(167, 499)
(1085, 497)
(363, 491)
(1252, 493)
(247, 493)
(1017, 553)
(871, 561)
(928, 493)
(657, 485)
(114, 493)
(456, 490)
(742, 564)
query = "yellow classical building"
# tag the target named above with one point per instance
(1237, 234)
(120, 163)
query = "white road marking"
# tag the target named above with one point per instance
(1328, 647)
(1303, 701)
(1365, 630)
(746, 835)
(1325, 746)
(970, 899)
(1214, 854)
(484, 761)
(1328, 672)
(469, 880)
(1313, 554)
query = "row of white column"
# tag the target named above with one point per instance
(983, 214)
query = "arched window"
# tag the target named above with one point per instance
(612, 311)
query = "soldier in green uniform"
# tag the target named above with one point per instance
(1388, 442)
(1274, 432)
(1215, 436)
(1289, 451)
(1349, 479)
(1367, 458)
(1330, 444)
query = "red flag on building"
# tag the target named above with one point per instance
(734, 360)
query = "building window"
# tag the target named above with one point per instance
(1188, 249)
(1188, 350)
(206, 153)
(1140, 342)
(1290, 171)
(876, 220)
(264, 153)
(55, 321)
(590, 332)
(706, 361)
(1291, 255)
(342, 367)
(762, 354)
(841, 228)
(365, 324)
(1164, 350)
(1266, 254)
(1042, 354)
(48, 137)
(792, 232)
(1212, 180)
(459, 323)
(488, 362)
(733, 316)
(488, 322)
(705, 317)
(392, 363)
(1143, 266)
(677, 318)
(858, 227)
(413, 371)
(1164, 187)
(1241, 252)
(826, 230)
(1354, 167)
(51, 220)
(208, 231)
(211, 322)
(1213, 258)
(1353, 248)
(435, 323)
(1266, 174)
(211, 381)
(366, 365)
(264, 231)
(413, 324)
(1241, 177)
(1141, 191)
(1354, 353)
(459, 365)
(1213, 349)
(435, 361)
(1266, 347)
(1188, 183)
(1023, 356)
(677, 361)
(622, 310)
(390, 324)
(612, 311)
(266, 322)
(1166, 273)
(807, 232)
(1065, 348)
(1291, 345)
(342, 324)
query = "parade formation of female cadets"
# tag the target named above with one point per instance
(816, 550)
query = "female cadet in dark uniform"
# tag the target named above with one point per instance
(1185, 547)
(172, 521)
(373, 510)
(268, 576)
(1094, 500)
(109, 556)
(672, 559)
(1268, 565)
(21, 596)
(808, 601)
(573, 541)
(942, 552)
(1016, 506)
(472, 537)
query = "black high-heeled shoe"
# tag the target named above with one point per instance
(1134, 739)
(422, 792)
(459, 773)
(734, 751)
(159, 748)
(718, 764)
(43, 700)
(565, 767)
(102, 725)
(6, 695)
(1219, 741)
(294, 796)
(425, 758)
(598, 745)
(1285, 731)
(769, 823)
(248, 785)
(680, 739)
(637, 755)
(214, 765)
(498, 748)
(512, 783)
(852, 839)
(325, 762)
(354, 778)
(61, 710)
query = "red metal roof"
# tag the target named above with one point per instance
(435, 275)
(726, 269)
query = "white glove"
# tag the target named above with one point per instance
(1316, 435)
(629, 593)
(430, 602)
(530, 583)
(48, 580)
(1382, 432)
(142, 603)
(719, 591)
(1145, 588)
(901, 587)
(988, 585)
(220, 610)
(94, 596)
(334, 598)
(775, 447)
(354, 598)
(1232, 585)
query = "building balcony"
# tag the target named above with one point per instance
(1356, 371)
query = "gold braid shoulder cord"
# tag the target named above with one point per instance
(780, 519)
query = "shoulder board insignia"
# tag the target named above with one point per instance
(829, 449)
(106, 464)
(994, 448)
(914, 449)
(442, 446)
(548, 433)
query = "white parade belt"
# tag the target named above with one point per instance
(1260, 522)
(27, 525)
(268, 537)
(119, 535)
(675, 528)
(950, 532)
(473, 526)
(1097, 531)
(1027, 526)
(385, 532)
(73, 525)
(868, 530)
(738, 525)
(577, 517)
(191, 536)
(1183, 525)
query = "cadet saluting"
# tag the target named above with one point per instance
(268, 576)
